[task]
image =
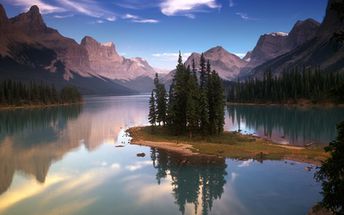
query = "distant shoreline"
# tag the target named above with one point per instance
(36, 106)
(229, 145)
(305, 103)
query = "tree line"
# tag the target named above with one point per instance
(15, 93)
(290, 86)
(193, 105)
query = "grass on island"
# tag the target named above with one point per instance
(233, 145)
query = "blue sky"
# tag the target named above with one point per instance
(157, 29)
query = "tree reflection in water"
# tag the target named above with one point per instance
(193, 179)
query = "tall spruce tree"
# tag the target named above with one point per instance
(203, 99)
(219, 102)
(160, 97)
(152, 118)
(192, 110)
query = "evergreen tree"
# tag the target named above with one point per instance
(192, 110)
(152, 118)
(219, 103)
(331, 174)
(160, 94)
(203, 101)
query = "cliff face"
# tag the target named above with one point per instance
(322, 50)
(270, 46)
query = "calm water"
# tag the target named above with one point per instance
(64, 161)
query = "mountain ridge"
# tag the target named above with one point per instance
(26, 35)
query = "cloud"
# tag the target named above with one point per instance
(231, 3)
(171, 55)
(241, 55)
(45, 8)
(86, 7)
(245, 16)
(130, 16)
(246, 163)
(180, 7)
(138, 165)
(111, 19)
(146, 21)
(138, 19)
(63, 16)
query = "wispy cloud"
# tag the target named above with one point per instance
(63, 16)
(138, 19)
(137, 5)
(242, 15)
(231, 3)
(44, 7)
(245, 16)
(170, 56)
(86, 7)
(146, 21)
(182, 7)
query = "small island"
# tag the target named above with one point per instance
(190, 121)
(227, 145)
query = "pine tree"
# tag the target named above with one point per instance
(203, 102)
(152, 118)
(160, 97)
(192, 111)
(219, 103)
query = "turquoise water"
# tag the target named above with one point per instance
(65, 161)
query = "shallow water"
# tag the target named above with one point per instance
(64, 161)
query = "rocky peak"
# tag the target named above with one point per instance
(98, 51)
(89, 41)
(30, 21)
(332, 22)
(302, 32)
(225, 63)
(268, 46)
(3, 15)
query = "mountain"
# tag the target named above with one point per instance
(105, 61)
(272, 45)
(26, 43)
(226, 64)
(322, 50)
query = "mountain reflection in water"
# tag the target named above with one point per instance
(288, 125)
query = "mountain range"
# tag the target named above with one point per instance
(31, 51)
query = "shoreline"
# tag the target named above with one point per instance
(300, 105)
(37, 106)
(243, 147)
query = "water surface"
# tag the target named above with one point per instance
(64, 160)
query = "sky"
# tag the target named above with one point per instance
(157, 30)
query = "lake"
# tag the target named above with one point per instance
(66, 160)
